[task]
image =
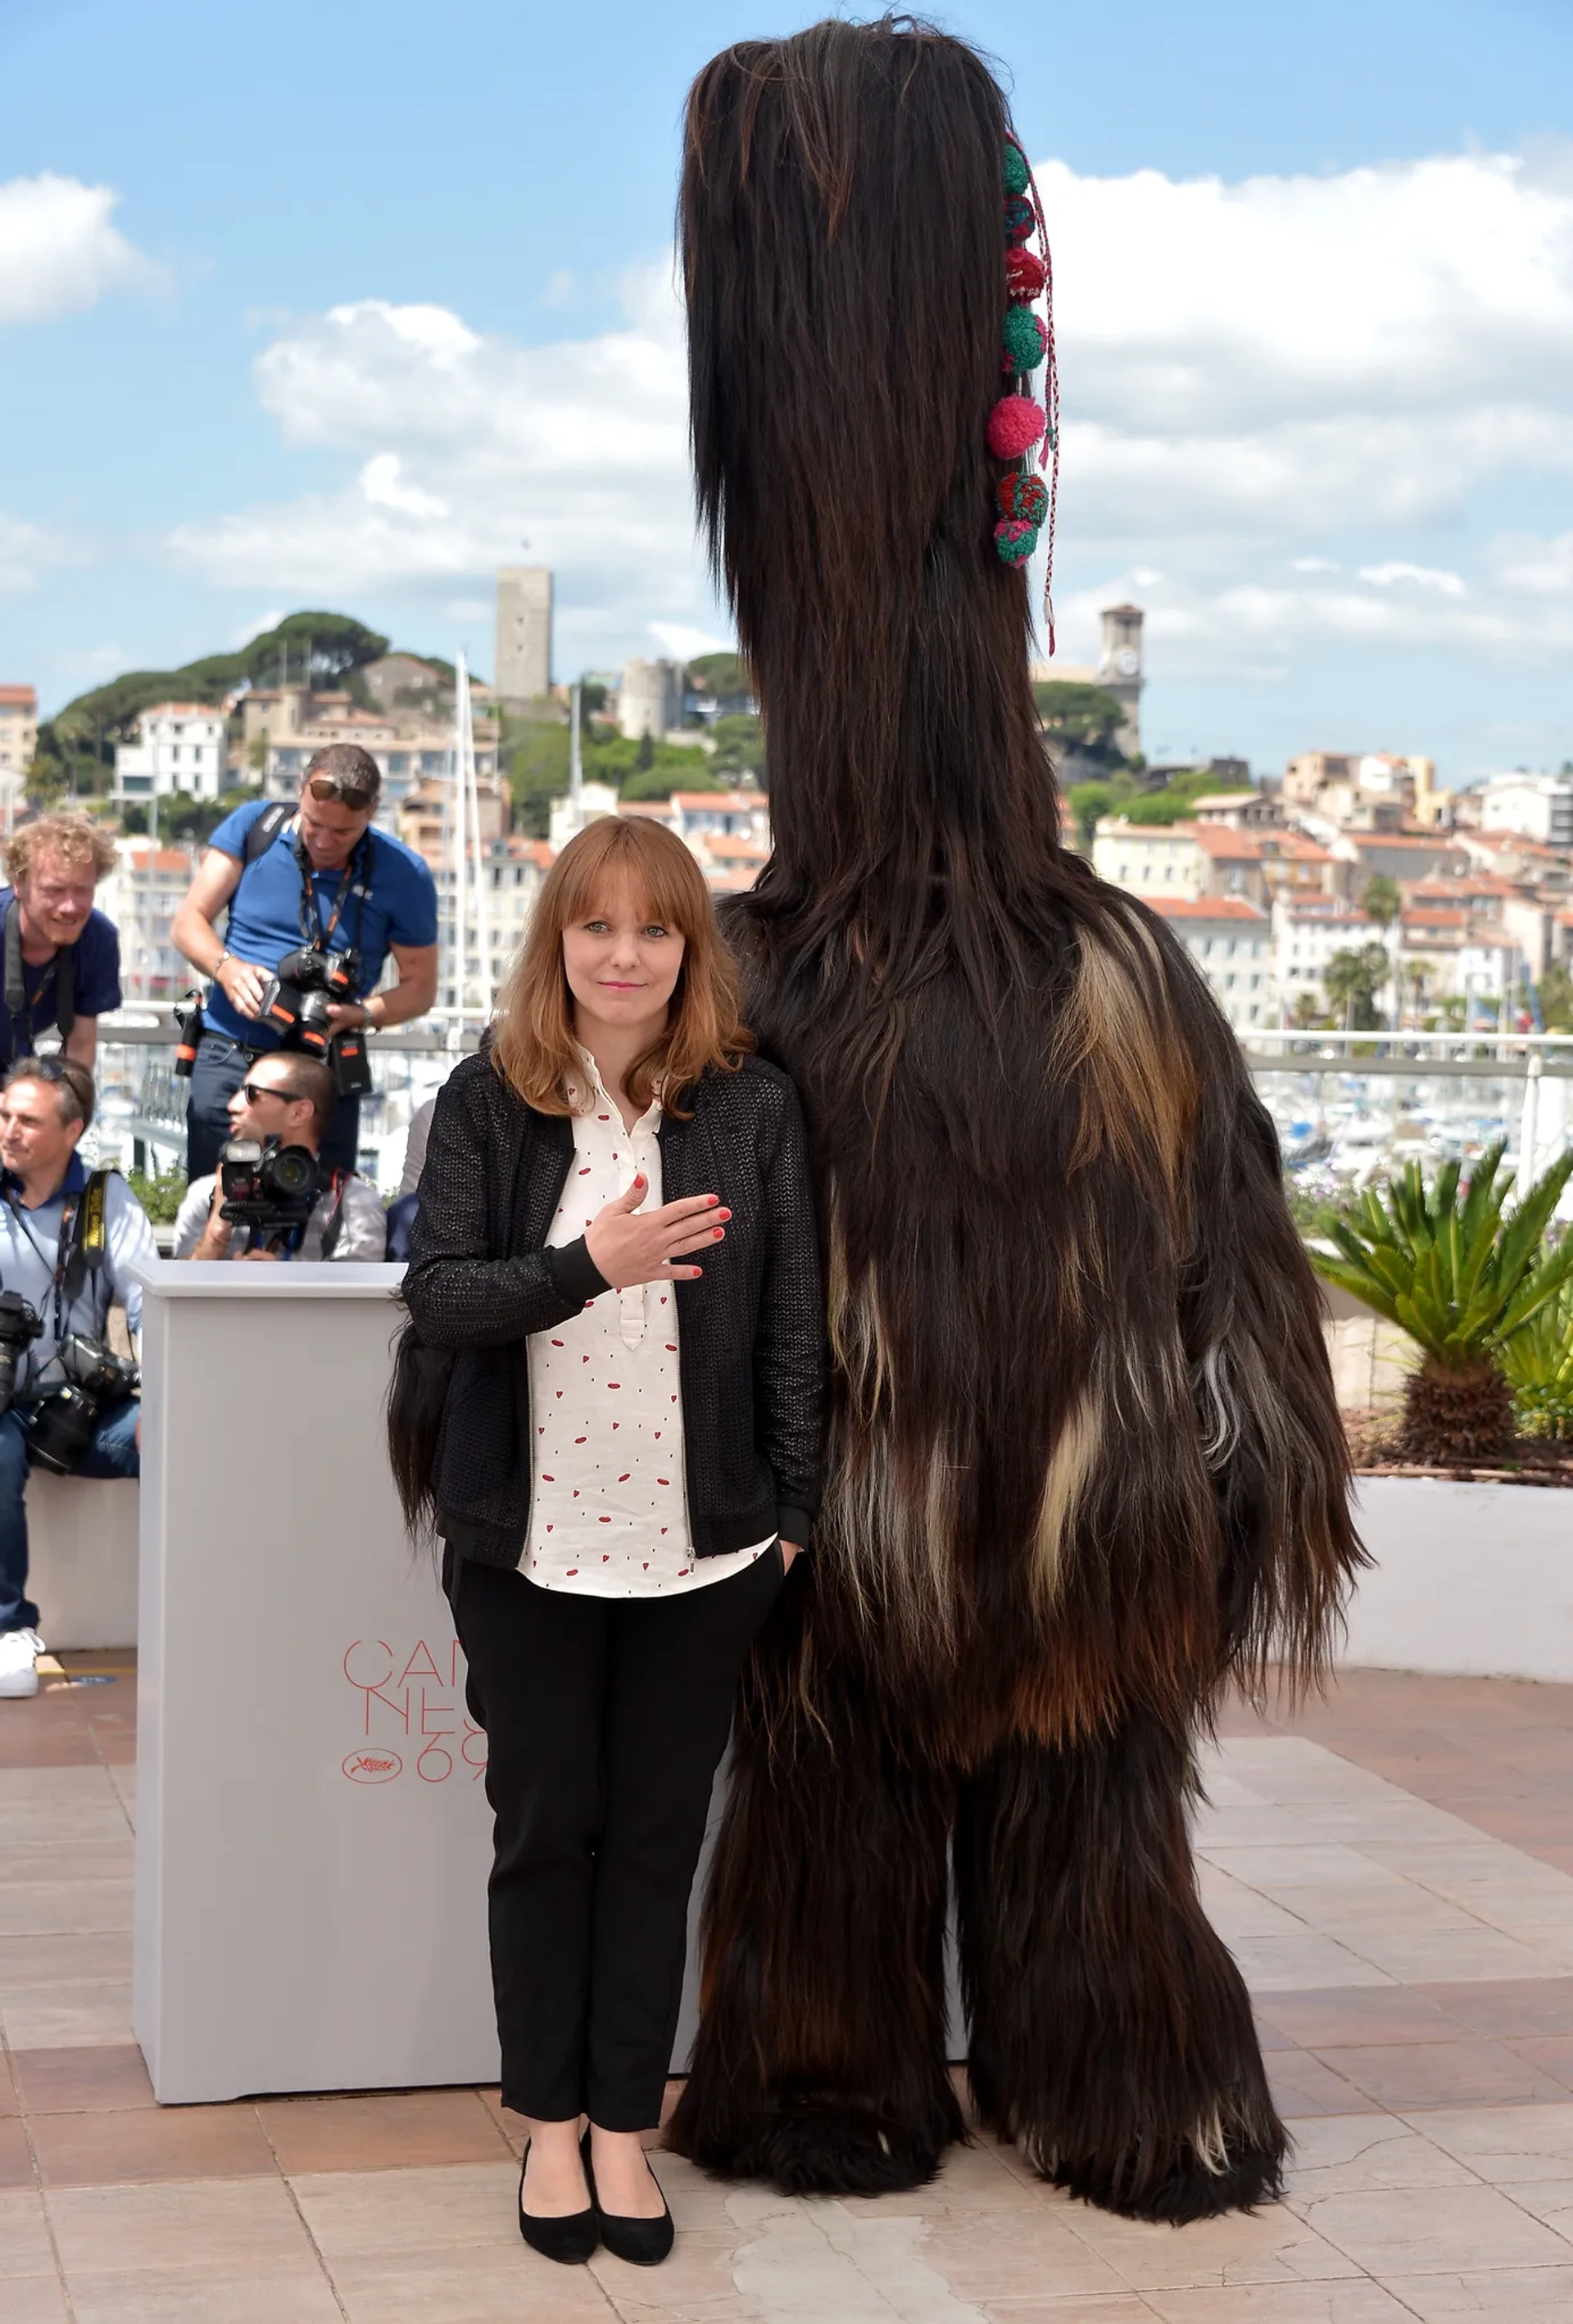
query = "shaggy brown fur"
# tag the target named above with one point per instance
(1085, 1459)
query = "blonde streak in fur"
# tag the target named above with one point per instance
(1137, 1087)
(857, 1330)
(895, 1548)
(1070, 1467)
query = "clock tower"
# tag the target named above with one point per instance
(1119, 671)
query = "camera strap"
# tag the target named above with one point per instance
(331, 1231)
(19, 1001)
(81, 1246)
(311, 927)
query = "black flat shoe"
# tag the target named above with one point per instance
(642, 2243)
(569, 2240)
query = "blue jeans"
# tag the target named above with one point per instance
(111, 1453)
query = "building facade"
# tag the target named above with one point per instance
(523, 655)
(1231, 942)
(650, 699)
(18, 735)
(141, 896)
(179, 746)
(1537, 807)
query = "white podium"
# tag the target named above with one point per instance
(313, 1838)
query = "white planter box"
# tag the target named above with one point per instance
(1469, 1580)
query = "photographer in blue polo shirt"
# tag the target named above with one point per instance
(318, 879)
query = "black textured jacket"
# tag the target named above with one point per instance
(752, 1342)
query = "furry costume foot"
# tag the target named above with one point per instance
(1112, 2034)
(817, 2148)
(1191, 2189)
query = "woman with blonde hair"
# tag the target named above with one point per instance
(608, 1404)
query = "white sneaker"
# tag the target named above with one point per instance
(18, 1670)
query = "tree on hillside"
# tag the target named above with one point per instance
(739, 747)
(1171, 805)
(1556, 998)
(1078, 717)
(1089, 802)
(721, 674)
(316, 648)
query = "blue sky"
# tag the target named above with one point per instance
(371, 296)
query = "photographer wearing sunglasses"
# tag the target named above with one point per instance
(318, 901)
(282, 1201)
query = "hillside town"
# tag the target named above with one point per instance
(1349, 889)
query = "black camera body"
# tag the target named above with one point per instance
(266, 1184)
(307, 983)
(62, 1429)
(20, 1325)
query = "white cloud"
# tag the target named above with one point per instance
(258, 628)
(678, 642)
(1315, 376)
(1420, 576)
(28, 550)
(59, 250)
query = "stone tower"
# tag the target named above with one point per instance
(1119, 671)
(524, 665)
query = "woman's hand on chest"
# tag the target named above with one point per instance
(631, 1245)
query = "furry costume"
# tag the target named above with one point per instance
(1085, 1459)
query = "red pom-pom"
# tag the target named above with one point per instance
(1023, 497)
(1014, 540)
(1025, 273)
(1014, 426)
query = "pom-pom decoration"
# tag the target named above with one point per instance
(1022, 495)
(1025, 273)
(1023, 340)
(1014, 426)
(1017, 176)
(1020, 217)
(1014, 540)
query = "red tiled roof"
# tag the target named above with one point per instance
(732, 802)
(19, 697)
(1207, 908)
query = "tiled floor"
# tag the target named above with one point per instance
(1393, 1869)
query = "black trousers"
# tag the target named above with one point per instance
(221, 1066)
(605, 1721)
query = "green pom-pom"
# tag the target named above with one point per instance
(1015, 171)
(1021, 337)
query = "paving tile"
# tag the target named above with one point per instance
(1355, 2155)
(1549, 2200)
(1014, 2255)
(64, 1960)
(1406, 2074)
(1518, 2006)
(35, 2300)
(470, 2286)
(1515, 2295)
(712, 2272)
(1302, 2086)
(247, 2225)
(57, 2016)
(1272, 1965)
(387, 2130)
(1272, 2246)
(24, 2245)
(131, 2146)
(69, 2080)
(1548, 2053)
(1506, 2143)
(300, 2294)
(16, 2155)
(1357, 2303)
(40, 1907)
(1358, 2014)
(371, 2215)
(1406, 2230)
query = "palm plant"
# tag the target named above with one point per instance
(1461, 1278)
(1538, 1362)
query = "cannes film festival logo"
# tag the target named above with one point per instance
(410, 1713)
(373, 1767)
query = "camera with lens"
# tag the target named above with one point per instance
(19, 1327)
(308, 983)
(266, 1184)
(62, 1429)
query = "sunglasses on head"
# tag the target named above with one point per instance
(337, 790)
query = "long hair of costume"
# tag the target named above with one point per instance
(1085, 1458)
